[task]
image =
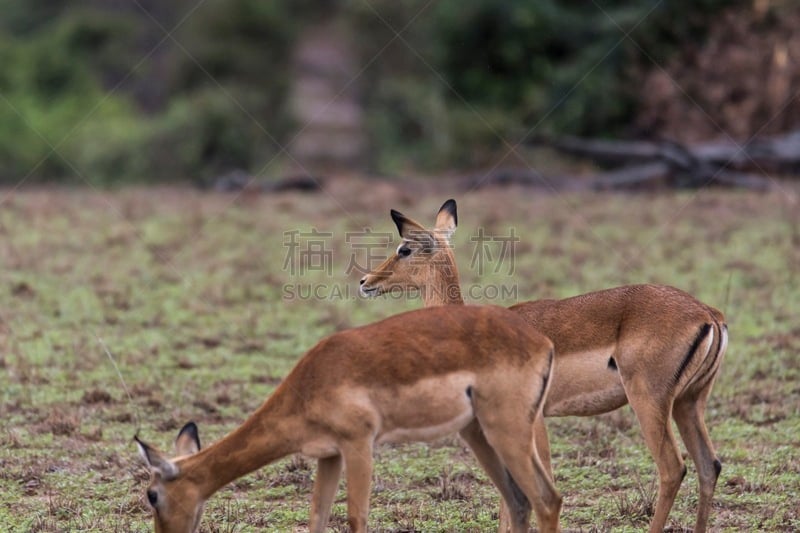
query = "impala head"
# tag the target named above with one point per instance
(176, 502)
(423, 256)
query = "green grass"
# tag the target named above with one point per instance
(187, 292)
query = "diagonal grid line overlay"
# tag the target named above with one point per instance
(106, 96)
(238, 104)
(282, 149)
(740, 148)
(54, 148)
(352, 80)
(513, 148)
(167, 261)
(140, 238)
(534, 126)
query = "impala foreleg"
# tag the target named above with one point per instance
(358, 467)
(542, 444)
(329, 469)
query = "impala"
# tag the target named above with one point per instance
(653, 346)
(477, 370)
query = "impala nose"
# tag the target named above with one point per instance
(362, 280)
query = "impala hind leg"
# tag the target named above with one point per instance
(688, 414)
(654, 419)
(531, 477)
(329, 469)
(512, 496)
(513, 442)
(358, 468)
(542, 444)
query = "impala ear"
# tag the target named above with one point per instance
(407, 228)
(156, 461)
(188, 440)
(447, 219)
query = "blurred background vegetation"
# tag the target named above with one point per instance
(148, 91)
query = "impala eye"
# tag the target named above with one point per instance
(405, 251)
(152, 497)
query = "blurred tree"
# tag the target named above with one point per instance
(93, 75)
(49, 86)
(22, 18)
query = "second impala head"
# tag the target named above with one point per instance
(175, 501)
(418, 257)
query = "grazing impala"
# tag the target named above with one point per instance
(476, 370)
(652, 346)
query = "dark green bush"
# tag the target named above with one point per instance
(72, 84)
(48, 93)
(499, 70)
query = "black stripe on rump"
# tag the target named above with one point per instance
(690, 354)
(711, 370)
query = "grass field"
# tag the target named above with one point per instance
(203, 307)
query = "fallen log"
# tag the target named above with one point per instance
(680, 165)
(780, 153)
(641, 175)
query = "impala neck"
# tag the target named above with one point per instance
(446, 287)
(266, 436)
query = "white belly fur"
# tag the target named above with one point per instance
(583, 385)
(319, 448)
(428, 409)
(427, 433)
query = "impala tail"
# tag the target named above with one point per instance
(700, 366)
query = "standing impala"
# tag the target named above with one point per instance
(476, 370)
(652, 346)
